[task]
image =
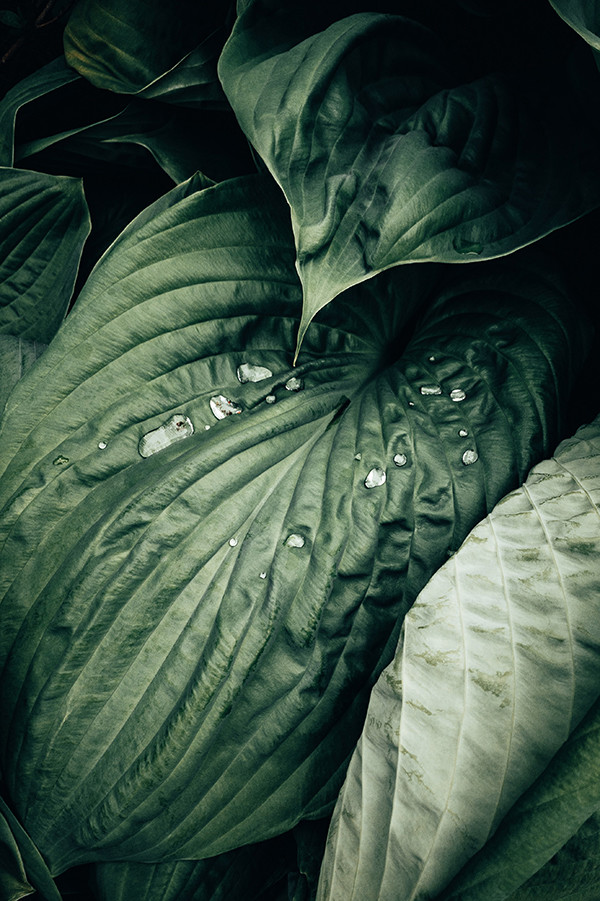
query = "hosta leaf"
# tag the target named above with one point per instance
(385, 160)
(16, 356)
(22, 869)
(44, 222)
(45, 80)
(125, 45)
(583, 16)
(244, 874)
(192, 621)
(498, 662)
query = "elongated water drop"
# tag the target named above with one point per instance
(222, 406)
(400, 459)
(248, 372)
(470, 456)
(457, 394)
(429, 390)
(295, 540)
(375, 478)
(294, 384)
(175, 429)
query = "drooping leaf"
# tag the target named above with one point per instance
(499, 660)
(127, 45)
(22, 868)
(16, 356)
(44, 222)
(44, 81)
(583, 16)
(244, 874)
(195, 608)
(384, 159)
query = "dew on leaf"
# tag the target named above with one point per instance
(60, 460)
(294, 384)
(470, 456)
(270, 398)
(430, 390)
(358, 456)
(102, 445)
(222, 406)
(375, 478)
(175, 429)
(411, 403)
(233, 542)
(249, 372)
(206, 428)
(400, 459)
(463, 433)
(295, 540)
(262, 575)
(432, 358)
(457, 394)
(461, 245)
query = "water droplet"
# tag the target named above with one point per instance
(60, 460)
(294, 384)
(248, 372)
(463, 433)
(358, 456)
(175, 429)
(270, 398)
(262, 576)
(233, 542)
(102, 445)
(222, 406)
(206, 428)
(400, 459)
(457, 394)
(411, 403)
(429, 390)
(375, 478)
(432, 358)
(295, 540)
(462, 245)
(470, 456)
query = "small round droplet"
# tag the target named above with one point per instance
(463, 433)
(294, 384)
(60, 460)
(262, 575)
(222, 406)
(470, 456)
(375, 478)
(295, 540)
(430, 390)
(457, 394)
(206, 428)
(270, 398)
(102, 445)
(432, 358)
(358, 456)
(233, 542)
(400, 459)
(249, 372)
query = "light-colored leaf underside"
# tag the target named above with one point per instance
(498, 662)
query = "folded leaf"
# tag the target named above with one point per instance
(44, 222)
(498, 662)
(206, 552)
(385, 160)
(22, 869)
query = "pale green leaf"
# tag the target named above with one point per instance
(44, 222)
(190, 638)
(384, 159)
(16, 356)
(498, 662)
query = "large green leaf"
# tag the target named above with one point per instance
(498, 662)
(44, 81)
(189, 638)
(583, 16)
(384, 159)
(128, 45)
(44, 222)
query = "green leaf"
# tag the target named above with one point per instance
(385, 160)
(16, 356)
(44, 81)
(189, 638)
(44, 222)
(498, 662)
(23, 871)
(583, 16)
(127, 45)
(240, 875)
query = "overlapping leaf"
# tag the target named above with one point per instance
(44, 222)
(385, 160)
(16, 356)
(499, 661)
(185, 667)
(583, 16)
